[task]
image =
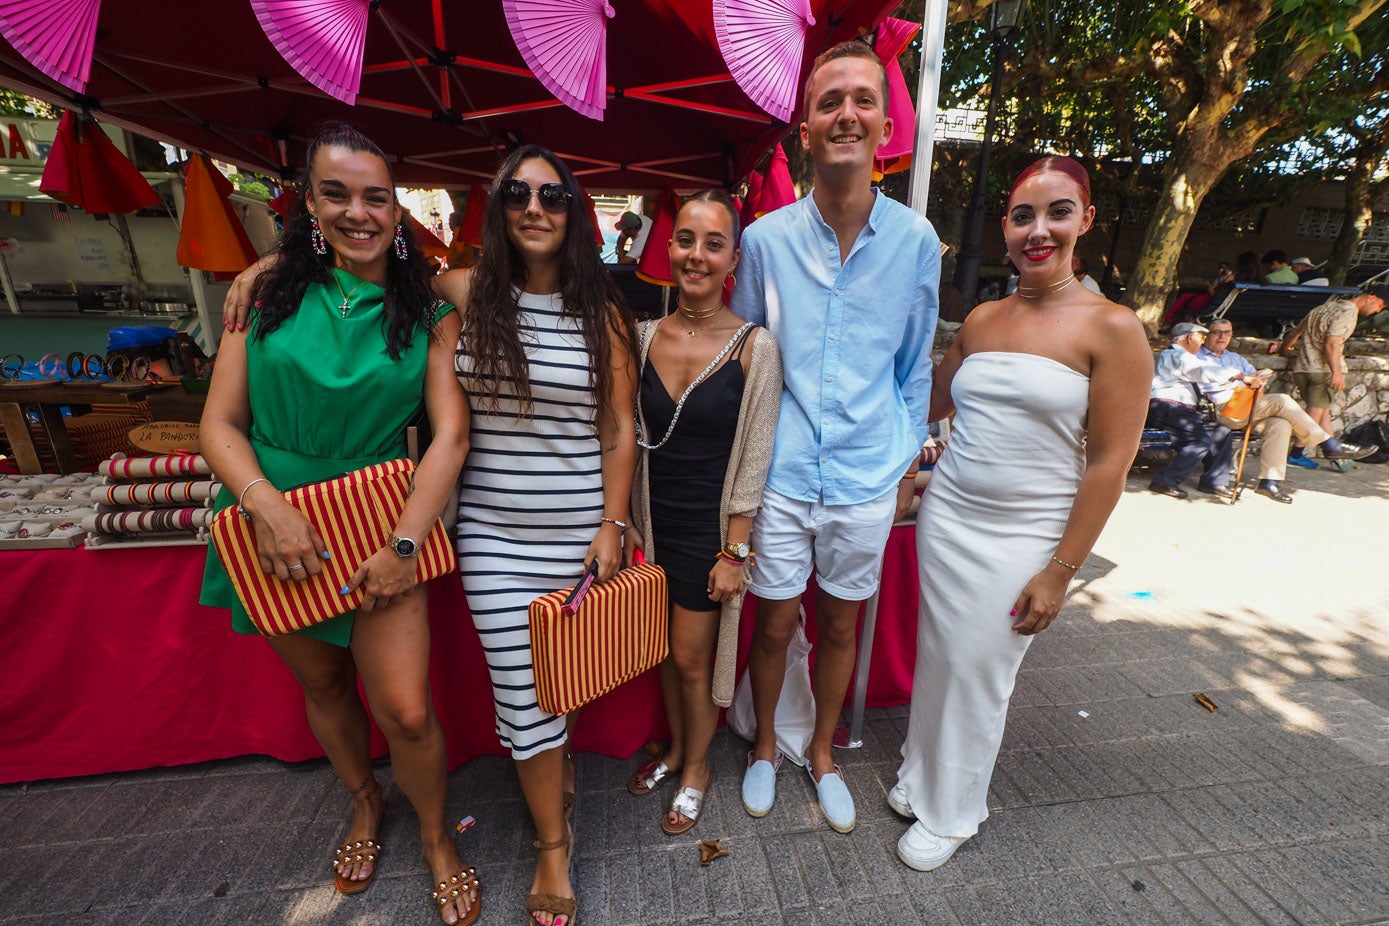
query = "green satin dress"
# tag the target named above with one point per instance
(326, 398)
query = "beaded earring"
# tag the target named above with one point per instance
(401, 251)
(320, 247)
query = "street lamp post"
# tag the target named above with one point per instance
(1123, 167)
(1003, 21)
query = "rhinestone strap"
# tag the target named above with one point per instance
(713, 364)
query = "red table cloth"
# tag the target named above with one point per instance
(107, 663)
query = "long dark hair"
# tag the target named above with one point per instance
(490, 330)
(279, 289)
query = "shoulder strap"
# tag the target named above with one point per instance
(742, 336)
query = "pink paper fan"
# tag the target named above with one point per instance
(321, 39)
(55, 36)
(762, 42)
(564, 43)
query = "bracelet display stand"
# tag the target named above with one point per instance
(153, 485)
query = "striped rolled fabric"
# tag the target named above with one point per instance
(354, 514)
(173, 464)
(156, 493)
(618, 632)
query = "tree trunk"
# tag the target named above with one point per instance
(1359, 213)
(1155, 275)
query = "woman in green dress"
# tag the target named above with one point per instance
(347, 344)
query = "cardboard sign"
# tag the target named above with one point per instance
(166, 436)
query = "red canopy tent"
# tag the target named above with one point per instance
(444, 90)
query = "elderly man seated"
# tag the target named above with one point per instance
(1174, 406)
(1277, 417)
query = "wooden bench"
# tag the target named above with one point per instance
(1272, 310)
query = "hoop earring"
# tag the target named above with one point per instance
(732, 280)
(401, 250)
(320, 247)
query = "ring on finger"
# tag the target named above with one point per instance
(296, 566)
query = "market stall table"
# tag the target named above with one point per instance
(110, 665)
(48, 400)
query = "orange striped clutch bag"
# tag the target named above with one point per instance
(354, 514)
(610, 635)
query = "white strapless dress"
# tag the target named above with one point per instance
(990, 520)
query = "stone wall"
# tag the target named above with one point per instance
(1367, 378)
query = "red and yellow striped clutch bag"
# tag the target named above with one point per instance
(354, 514)
(617, 632)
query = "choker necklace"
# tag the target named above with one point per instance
(695, 315)
(1038, 292)
(346, 296)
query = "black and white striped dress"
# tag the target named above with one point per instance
(530, 506)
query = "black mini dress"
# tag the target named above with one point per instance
(686, 474)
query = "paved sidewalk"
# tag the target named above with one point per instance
(1148, 810)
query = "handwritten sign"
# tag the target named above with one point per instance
(166, 436)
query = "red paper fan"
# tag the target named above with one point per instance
(564, 42)
(654, 264)
(55, 36)
(762, 42)
(321, 39)
(86, 169)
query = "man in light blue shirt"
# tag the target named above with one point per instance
(846, 280)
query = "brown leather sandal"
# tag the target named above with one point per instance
(362, 850)
(550, 903)
(351, 853)
(649, 777)
(465, 880)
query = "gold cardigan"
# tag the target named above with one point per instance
(748, 462)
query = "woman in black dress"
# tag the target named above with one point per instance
(709, 393)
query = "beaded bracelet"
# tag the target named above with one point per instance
(1061, 562)
(621, 525)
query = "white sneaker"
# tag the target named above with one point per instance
(923, 850)
(897, 800)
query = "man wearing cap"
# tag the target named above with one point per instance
(1307, 275)
(1319, 366)
(1174, 406)
(1277, 417)
(633, 230)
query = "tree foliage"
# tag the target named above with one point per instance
(1194, 92)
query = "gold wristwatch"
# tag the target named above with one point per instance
(737, 550)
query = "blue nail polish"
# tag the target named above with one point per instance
(344, 590)
(327, 555)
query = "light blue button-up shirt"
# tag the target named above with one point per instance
(855, 339)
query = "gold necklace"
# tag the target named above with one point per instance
(696, 315)
(1038, 292)
(346, 296)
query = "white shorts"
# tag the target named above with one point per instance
(844, 544)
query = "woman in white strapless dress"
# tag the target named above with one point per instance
(1049, 388)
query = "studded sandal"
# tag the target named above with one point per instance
(456, 886)
(352, 853)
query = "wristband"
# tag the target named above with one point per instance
(139, 369)
(51, 367)
(911, 474)
(87, 366)
(11, 366)
(117, 366)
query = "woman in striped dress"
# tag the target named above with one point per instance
(547, 352)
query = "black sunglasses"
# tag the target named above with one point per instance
(516, 195)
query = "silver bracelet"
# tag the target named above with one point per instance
(241, 502)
